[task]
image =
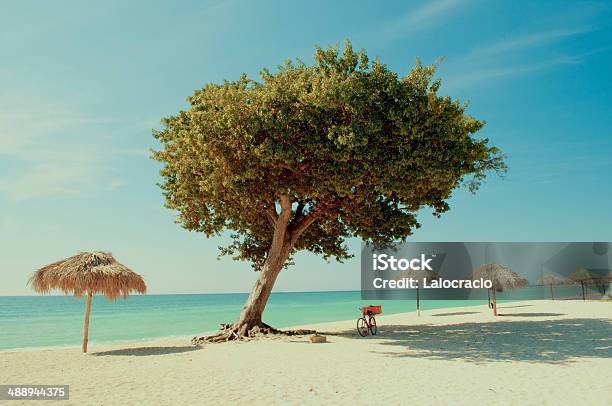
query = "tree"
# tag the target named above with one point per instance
(309, 156)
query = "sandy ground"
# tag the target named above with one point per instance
(536, 353)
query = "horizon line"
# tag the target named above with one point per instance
(194, 294)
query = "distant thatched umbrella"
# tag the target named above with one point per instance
(500, 277)
(583, 276)
(551, 279)
(88, 273)
(418, 276)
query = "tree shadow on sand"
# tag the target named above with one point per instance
(453, 314)
(146, 351)
(549, 341)
(531, 315)
(512, 307)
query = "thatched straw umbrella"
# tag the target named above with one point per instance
(418, 276)
(582, 276)
(501, 278)
(88, 273)
(551, 279)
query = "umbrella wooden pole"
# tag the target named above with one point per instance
(582, 286)
(86, 327)
(552, 296)
(489, 297)
(494, 304)
(418, 303)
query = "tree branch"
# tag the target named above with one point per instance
(271, 215)
(299, 214)
(302, 224)
(280, 225)
(299, 210)
(285, 214)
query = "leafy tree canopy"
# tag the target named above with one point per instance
(345, 146)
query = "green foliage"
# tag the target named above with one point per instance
(346, 139)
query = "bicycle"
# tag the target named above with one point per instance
(368, 325)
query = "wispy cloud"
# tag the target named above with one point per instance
(474, 76)
(428, 15)
(512, 56)
(428, 12)
(51, 151)
(57, 179)
(530, 40)
(487, 74)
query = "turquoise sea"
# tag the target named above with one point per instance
(49, 321)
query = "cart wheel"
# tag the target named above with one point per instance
(373, 328)
(362, 326)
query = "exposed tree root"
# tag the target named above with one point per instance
(230, 332)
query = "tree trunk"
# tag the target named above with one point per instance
(286, 233)
(256, 303)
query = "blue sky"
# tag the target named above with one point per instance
(82, 86)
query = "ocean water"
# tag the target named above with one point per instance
(50, 321)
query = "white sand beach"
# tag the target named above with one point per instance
(537, 352)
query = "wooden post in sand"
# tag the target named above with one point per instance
(552, 295)
(494, 304)
(489, 297)
(418, 303)
(86, 327)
